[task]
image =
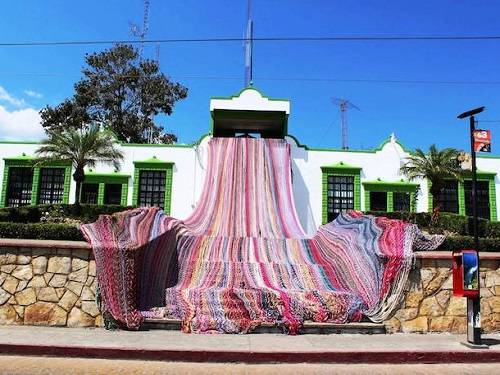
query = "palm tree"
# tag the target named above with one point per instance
(83, 148)
(436, 166)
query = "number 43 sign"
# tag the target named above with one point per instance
(482, 140)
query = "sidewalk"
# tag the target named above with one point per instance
(256, 348)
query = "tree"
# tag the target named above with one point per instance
(122, 92)
(83, 148)
(436, 166)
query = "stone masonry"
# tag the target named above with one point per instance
(53, 283)
(48, 286)
(429, 304)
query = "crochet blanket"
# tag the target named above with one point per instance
(242, 258)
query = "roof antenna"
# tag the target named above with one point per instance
(344, 105)
(249, 47)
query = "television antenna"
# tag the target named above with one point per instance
(249, 46)
(142, 32)
(344, 105)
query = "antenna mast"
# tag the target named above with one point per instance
(141, 33)
(249, 47)
(344, 105)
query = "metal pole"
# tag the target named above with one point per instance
(473, 304)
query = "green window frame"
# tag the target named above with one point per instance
(25, 161)
(481, 176)
(340, 169)
(390, 188)
(102, 179)
(154, 164)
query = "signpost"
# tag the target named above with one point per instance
(480, 141)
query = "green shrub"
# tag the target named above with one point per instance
(32, 214)
(41, 231)
(452, 243)
(449, 222)
(493, 229)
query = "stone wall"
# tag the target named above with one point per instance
(53, 283)
(47, 283)
(429, 304)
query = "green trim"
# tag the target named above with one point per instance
(67, 184)
(102, 179)
(154, 164)
(367, 151)
(461, 198)
(341, 166)
(20, 158)
(344, 170)
(19, 142)
(379, 185)
(390, 187)
(110, 178)
(100, 193)
(390, 201)
(248, 88)
(493, 199)
(388, 140)
(25, 161)
(481, 176)
(180, 145)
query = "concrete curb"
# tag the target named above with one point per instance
(361, 356)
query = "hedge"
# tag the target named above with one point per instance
(452, 243)
(32, 214)
(454, 223)
(41, 231)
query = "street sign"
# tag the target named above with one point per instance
(482, 140)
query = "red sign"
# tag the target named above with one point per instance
(482, 140)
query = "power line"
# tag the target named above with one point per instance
(258, 39)
(285, 79)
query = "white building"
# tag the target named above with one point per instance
(171, 176)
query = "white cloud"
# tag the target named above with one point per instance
(20, 125)
(33, 94)
(8, 98)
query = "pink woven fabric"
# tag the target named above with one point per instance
(242, 257)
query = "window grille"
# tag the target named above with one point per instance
(152, 188)
(340, 195)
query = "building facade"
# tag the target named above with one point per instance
(325, 181)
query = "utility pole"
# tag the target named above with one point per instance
(344, 105)
(474, 303)
(249, 47)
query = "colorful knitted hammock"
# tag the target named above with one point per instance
(242, 258)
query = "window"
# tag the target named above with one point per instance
(378, 201)
(340, 195)
(89, 194)
(20, 185)
(401, 201)
(152, 188)
(51, 185)
(483, 200)
(112, 194)
(449, 197)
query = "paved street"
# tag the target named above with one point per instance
(17, 365)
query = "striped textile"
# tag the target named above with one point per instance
(242, 258)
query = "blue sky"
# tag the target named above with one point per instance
(419, 114)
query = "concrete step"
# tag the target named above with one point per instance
(308, 327)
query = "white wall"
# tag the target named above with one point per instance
(190, 166)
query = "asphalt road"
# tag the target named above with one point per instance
(76, 366)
